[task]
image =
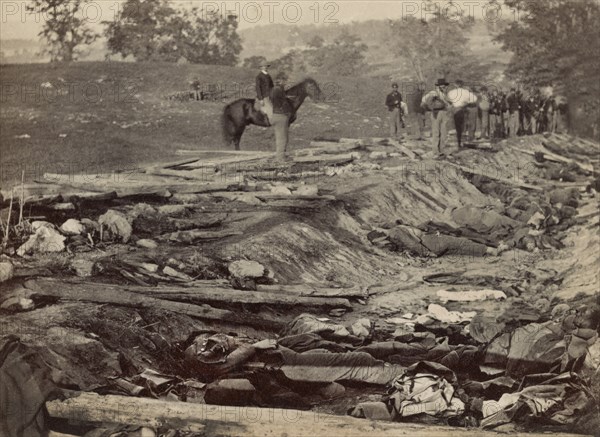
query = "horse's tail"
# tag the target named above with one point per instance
(227, 126)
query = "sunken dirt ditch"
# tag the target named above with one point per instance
(362, 289)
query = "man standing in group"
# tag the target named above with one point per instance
(264, 86)
(280, 119)
(512, 101)
(462, 100)
(437, 102)
(418, 110)
(393, 101)
(484, 112)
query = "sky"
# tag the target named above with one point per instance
(15, 22)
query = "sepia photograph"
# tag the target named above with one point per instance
(299, 218)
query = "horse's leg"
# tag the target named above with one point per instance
(237, 137)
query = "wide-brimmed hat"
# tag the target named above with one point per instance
(264, 64)
(394, 85)
(441, 82)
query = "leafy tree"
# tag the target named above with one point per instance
(556, 43)
(345, 56)
(254, 62)
(65, 29)
(154, 30)
(316, 42)
(436, 47)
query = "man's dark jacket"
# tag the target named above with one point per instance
(281, 104)
(393, 100)
(264, 85)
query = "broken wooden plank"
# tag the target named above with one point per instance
(106, 294)
(512, 182)
(229, 296)
(82, 291)
(403, 149)
(314, 290)
(194, 235)
(325, 159)
(233, 421)
(551, 156)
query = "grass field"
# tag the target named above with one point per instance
(101, 116)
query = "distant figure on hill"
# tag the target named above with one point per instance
(264, 86)
(393, 101)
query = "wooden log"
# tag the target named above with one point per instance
(315, 290)
(83, 291)
(204, 294)
(227, 296)
(325, 160)
(559, 158)
(506, 181)
(194, 235)
(403, 149)
(233, 421)
(116, 295)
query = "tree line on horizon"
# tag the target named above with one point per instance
(553, 44)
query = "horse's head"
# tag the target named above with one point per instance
(312, 89)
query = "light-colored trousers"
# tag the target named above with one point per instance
(513, 124)
(281, 124)
(439, 129)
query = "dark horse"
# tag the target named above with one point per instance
(239, 114)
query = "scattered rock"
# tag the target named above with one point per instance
(17, 303)
(469, 296)
(337, 312)
(246, 269)
(560, 310)
(361, 328)
(281, 190)
(377, 155)
(72, 227)
(147, 243)
(116, 225)
(440, 313)
(170, 271)
(83, 267)
(140, 209)
(45, 239)
(6, 271)
(307, 190)
(542, 305)
(90, 225)
(152, 268)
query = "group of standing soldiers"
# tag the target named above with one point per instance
(517, 113)
(494, 114)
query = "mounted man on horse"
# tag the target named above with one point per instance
(243, 112)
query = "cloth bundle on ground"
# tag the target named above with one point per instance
(325, 367)
(556, 399)
(25, 385)
(328, 330)
(456, 357)
(422, 389)
(540, 347)
(428, 244)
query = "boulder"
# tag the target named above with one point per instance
(83, 267)
(147, 243)
(116, 225)
(45, 239)
(246, 269)
(6, 271)
(307, 190)
(170, 271)
(72, 227)
(281, 190)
